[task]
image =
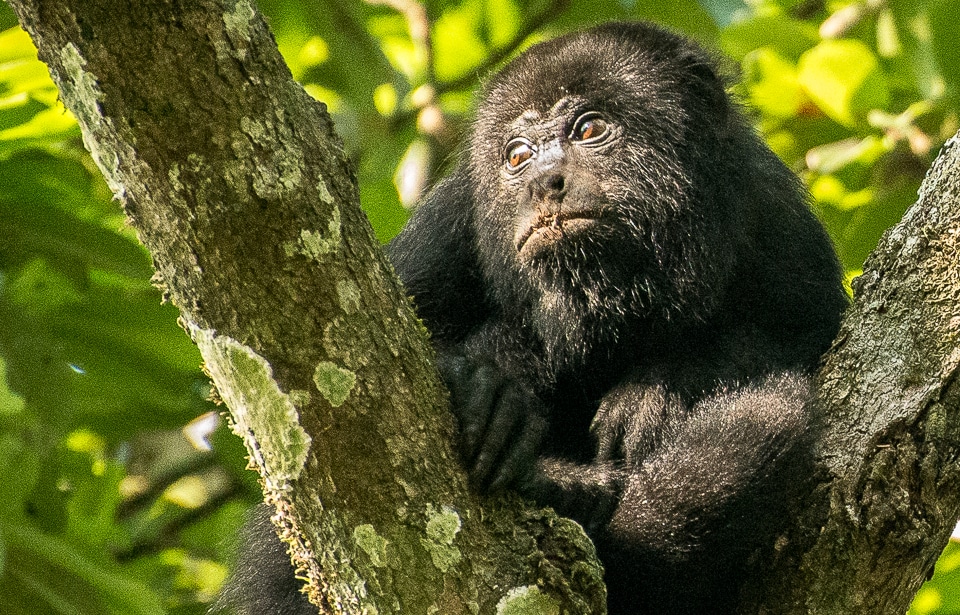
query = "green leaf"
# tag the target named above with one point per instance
(11, 404)
(688, 16)
(941, 594)
(56, 215)
(844, 79)
(788, 37)
(386, 214)
(78, 580)
(31, 114)
(15, 44)
(405, 55)
(46, 126)
(502, 18)
(912, 21)
(19, 473)
(771, 83)
(944, 18)
(41, 289)
(457, 41)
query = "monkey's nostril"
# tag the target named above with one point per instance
(550, 187)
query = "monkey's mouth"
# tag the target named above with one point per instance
(544, 230)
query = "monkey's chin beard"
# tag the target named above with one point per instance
(579, 302)
(574, 326)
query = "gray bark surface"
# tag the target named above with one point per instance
(888, 397)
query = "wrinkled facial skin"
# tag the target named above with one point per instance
(547, 172)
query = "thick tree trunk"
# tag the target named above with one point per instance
(235, 181)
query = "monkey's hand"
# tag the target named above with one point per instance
(502, 423)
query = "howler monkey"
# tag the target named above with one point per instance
(627, 293)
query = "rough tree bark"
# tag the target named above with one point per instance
(888, 396)
(236, 183)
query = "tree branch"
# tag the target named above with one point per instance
(887, 495)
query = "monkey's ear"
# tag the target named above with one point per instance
(707, 85)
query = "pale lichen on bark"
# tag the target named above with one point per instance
(334, 382)
(371, 543)
(443, 525)
(264, 416)
(527, 600)
(317, 245)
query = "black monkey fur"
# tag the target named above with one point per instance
(628, 294)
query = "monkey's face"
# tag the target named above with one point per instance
(549, 171)
(596, 162)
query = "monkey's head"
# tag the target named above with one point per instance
(599, 162)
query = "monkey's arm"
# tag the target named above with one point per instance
(677, 528)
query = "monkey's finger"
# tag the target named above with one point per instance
(505, 420)
(474, 408)
(522, 455)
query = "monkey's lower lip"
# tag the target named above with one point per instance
(543, 233)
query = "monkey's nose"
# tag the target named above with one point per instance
(548, 187)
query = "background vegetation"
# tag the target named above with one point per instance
(119, 489)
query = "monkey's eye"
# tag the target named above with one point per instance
(589, 127)
(518, 152)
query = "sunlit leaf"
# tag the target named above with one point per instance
(15, 44)
(501, 20)
(385, 99)
(407, 56)
(457, 43)
(315, 51)
(844, 79)
(771, 82)
(386, 214)
(31, 114)
(828, 189)
(688, 16)
(331, 99)
(49, 125)
(941, 595)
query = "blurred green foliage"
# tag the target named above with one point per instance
(107, 504)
